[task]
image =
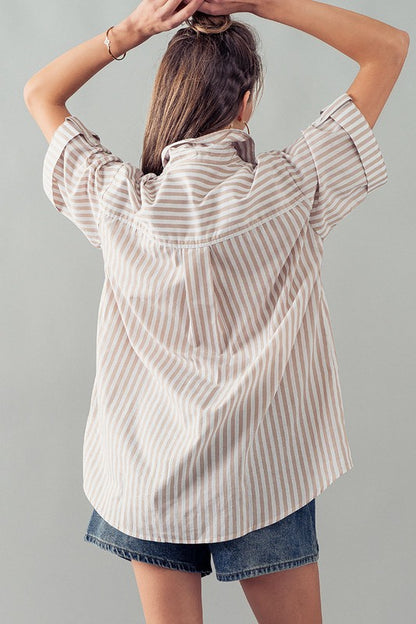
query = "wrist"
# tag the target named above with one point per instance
(125, 36)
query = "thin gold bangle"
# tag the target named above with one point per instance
(107, 43)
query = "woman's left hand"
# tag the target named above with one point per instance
(155, 16)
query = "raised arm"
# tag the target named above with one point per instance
(47, 91)
(378, 48)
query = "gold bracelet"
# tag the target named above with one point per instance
(107, 43)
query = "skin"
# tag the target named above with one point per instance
(175, 597)
(48, 90)
(171, 596)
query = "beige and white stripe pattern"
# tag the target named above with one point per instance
(216, 407)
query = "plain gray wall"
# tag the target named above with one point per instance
(51, 283)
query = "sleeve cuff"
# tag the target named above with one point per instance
(69, 128)
(350, 118)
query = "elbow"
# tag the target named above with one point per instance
(28, 93)
(34, 95)
(391, 52)
(400, 46)
(405, 42)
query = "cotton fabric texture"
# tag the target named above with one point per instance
(216, 406)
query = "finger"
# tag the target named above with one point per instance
(187, 11)
(207, 7)
(170, 13)
(211, 8)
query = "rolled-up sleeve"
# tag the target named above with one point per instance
(336, 162)
(77, 170)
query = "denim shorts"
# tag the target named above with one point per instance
(288, 543)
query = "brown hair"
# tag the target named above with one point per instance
(200, 83)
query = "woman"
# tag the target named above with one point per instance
(216, 416)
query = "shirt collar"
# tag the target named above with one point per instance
(240, 140)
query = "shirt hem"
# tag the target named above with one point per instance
(211, 539)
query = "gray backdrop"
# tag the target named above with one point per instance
(51, 283)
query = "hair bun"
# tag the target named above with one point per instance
(209, 24)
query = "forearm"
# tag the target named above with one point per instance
(61, 78)
(360, 37)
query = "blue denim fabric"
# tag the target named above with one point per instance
(288, 543)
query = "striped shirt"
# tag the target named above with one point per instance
(216, 406)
